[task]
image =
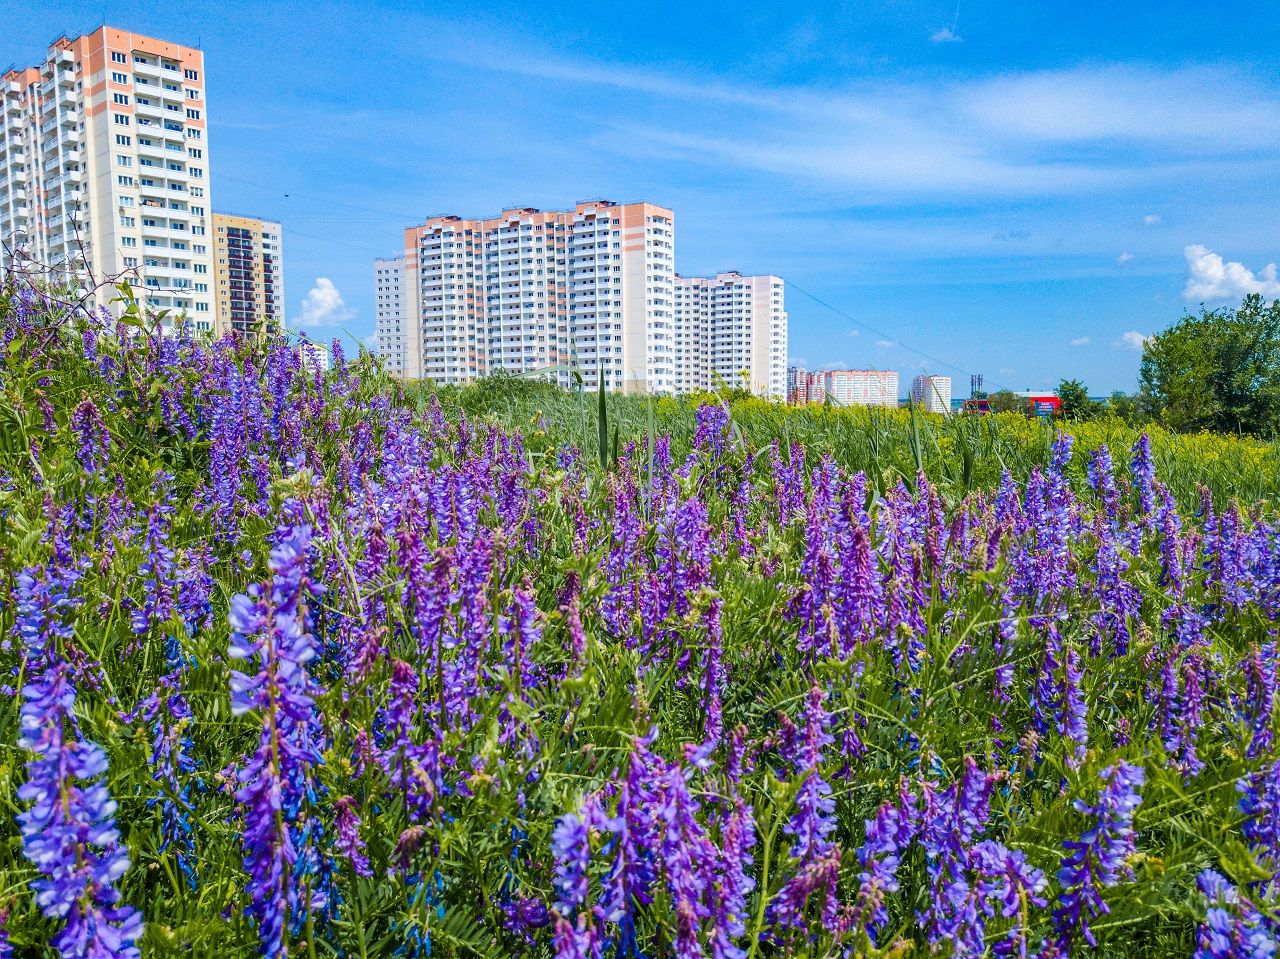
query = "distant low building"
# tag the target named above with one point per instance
(843, 387)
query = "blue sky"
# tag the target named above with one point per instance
(1020, 189)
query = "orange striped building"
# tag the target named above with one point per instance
(104, 160)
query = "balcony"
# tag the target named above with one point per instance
(151, 70)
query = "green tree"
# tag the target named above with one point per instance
(1124, 406)
(1006, 401)
(1075, 404)
(1219, 370)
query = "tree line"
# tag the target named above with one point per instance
(1217, 370)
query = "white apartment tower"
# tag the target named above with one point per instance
(104, 168)
(389, 318)
(527, 290)
(932, 392)
(731, 328)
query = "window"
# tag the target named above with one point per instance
(123, 98)
(124, 140)
(119, 77)
(195, 171)
(118, 57)
(128, 241)
(130, 261)
(197, 211)
(199, 268)
(193, 114)
(197, 231)
(124, 180)
(124, 160)
(193, 133)
(193, 94)
(197, 191)
(191, 74)
(202, 307)
(195, 152)
(126, 201)
(128, 221)
(121, 118)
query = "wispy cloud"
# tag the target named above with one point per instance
(945, 35)
(1124, 258)
(1212, 278)
(1080, 341)
(1038, 132)
(1132, 340)
(885, 344)
(855, 332)
(1152, 219)
(323, 306)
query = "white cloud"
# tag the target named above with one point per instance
(1124, 258)
(323, 306)
(945, 35)
(1152, 219)
(1212, 278)
(1025, 133)
(886, 343)
(371, 340)
(855, 332)
(1132, 340)
(1080, 341)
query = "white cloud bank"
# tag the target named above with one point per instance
(323, 306)
(1213, 278)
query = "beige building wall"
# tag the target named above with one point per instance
(248, 274)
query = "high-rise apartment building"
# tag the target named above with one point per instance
(392, 341)
(528, 290)
(249, 272)
(731, 328)
(104, 161)
(844, 387)
(932, 392)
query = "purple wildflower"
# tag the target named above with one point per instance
(93, 439)
(346, 826)
(1098, 859)
(68, 831)
(1233, 928)
(272, 626)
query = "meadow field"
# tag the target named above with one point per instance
(318, 665)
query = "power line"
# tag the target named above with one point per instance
(886, 336)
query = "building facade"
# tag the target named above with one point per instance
(104, 161)
(390, 337)
(932, 392)
(732, 330)
(540, 291)
(249, 273)
(843, 387)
